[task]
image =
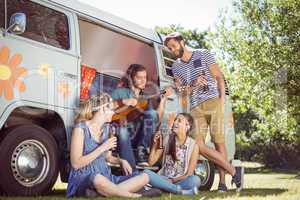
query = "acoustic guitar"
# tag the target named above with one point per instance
(125, 114)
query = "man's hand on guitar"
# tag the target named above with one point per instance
(130, 102)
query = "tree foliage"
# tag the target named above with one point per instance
(258, 47)
(260, 44)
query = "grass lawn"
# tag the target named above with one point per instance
(260, 183)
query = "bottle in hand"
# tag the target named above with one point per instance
(112, 133)
(205, 87)
(161, 145)
(160, 136)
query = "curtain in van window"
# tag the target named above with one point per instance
(2, 17)
(87, 76)
(43, 24)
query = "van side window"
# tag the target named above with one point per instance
(2, 14)
(226, 87)
(169, 59)
(43, 24)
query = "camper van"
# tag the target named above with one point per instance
(54, 53)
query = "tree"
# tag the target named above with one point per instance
(259, 43)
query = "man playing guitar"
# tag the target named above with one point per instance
(137, 132)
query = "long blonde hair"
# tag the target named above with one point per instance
(88, 107)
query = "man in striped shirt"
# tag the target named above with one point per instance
(200, 75)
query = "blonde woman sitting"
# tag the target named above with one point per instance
(90, 152)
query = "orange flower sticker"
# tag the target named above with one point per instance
(64, 89)
(44, 70)
(9, 73)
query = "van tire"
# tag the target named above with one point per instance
(28, 160)
(206, 171)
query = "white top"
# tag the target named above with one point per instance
(174, 169)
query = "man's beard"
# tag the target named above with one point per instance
(181, 51)
(138, 86)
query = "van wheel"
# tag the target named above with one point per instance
(206, 171)
(28, 160)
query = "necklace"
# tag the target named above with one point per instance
(96, 131)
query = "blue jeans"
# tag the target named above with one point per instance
(138, 133)
(190, 182)
(125, 149)
(150, 122)
(161, 182)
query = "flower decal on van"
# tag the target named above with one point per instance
(64, 89)
(44, 70)
(9, 74)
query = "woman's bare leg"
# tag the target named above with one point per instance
(134, 184)
(108, 189)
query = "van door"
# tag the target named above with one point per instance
(42, 61)
(173, 106)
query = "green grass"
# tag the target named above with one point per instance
(260, 183)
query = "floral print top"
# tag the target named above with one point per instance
(173, 169)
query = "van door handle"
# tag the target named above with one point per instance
(68, 75)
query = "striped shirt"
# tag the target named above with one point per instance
(189, 71)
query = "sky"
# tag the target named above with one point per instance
(191, 14)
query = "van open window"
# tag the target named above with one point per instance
(226, 87)
(111, 53)
(169, 59)
(43, 24)
(2, 20)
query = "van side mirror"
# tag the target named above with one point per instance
(17, 23)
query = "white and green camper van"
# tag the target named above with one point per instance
(52, 52)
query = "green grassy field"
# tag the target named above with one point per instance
(260, 183)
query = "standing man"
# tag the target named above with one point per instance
(198, 71)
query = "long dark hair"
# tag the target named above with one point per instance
(172, 141)
(133, 69)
